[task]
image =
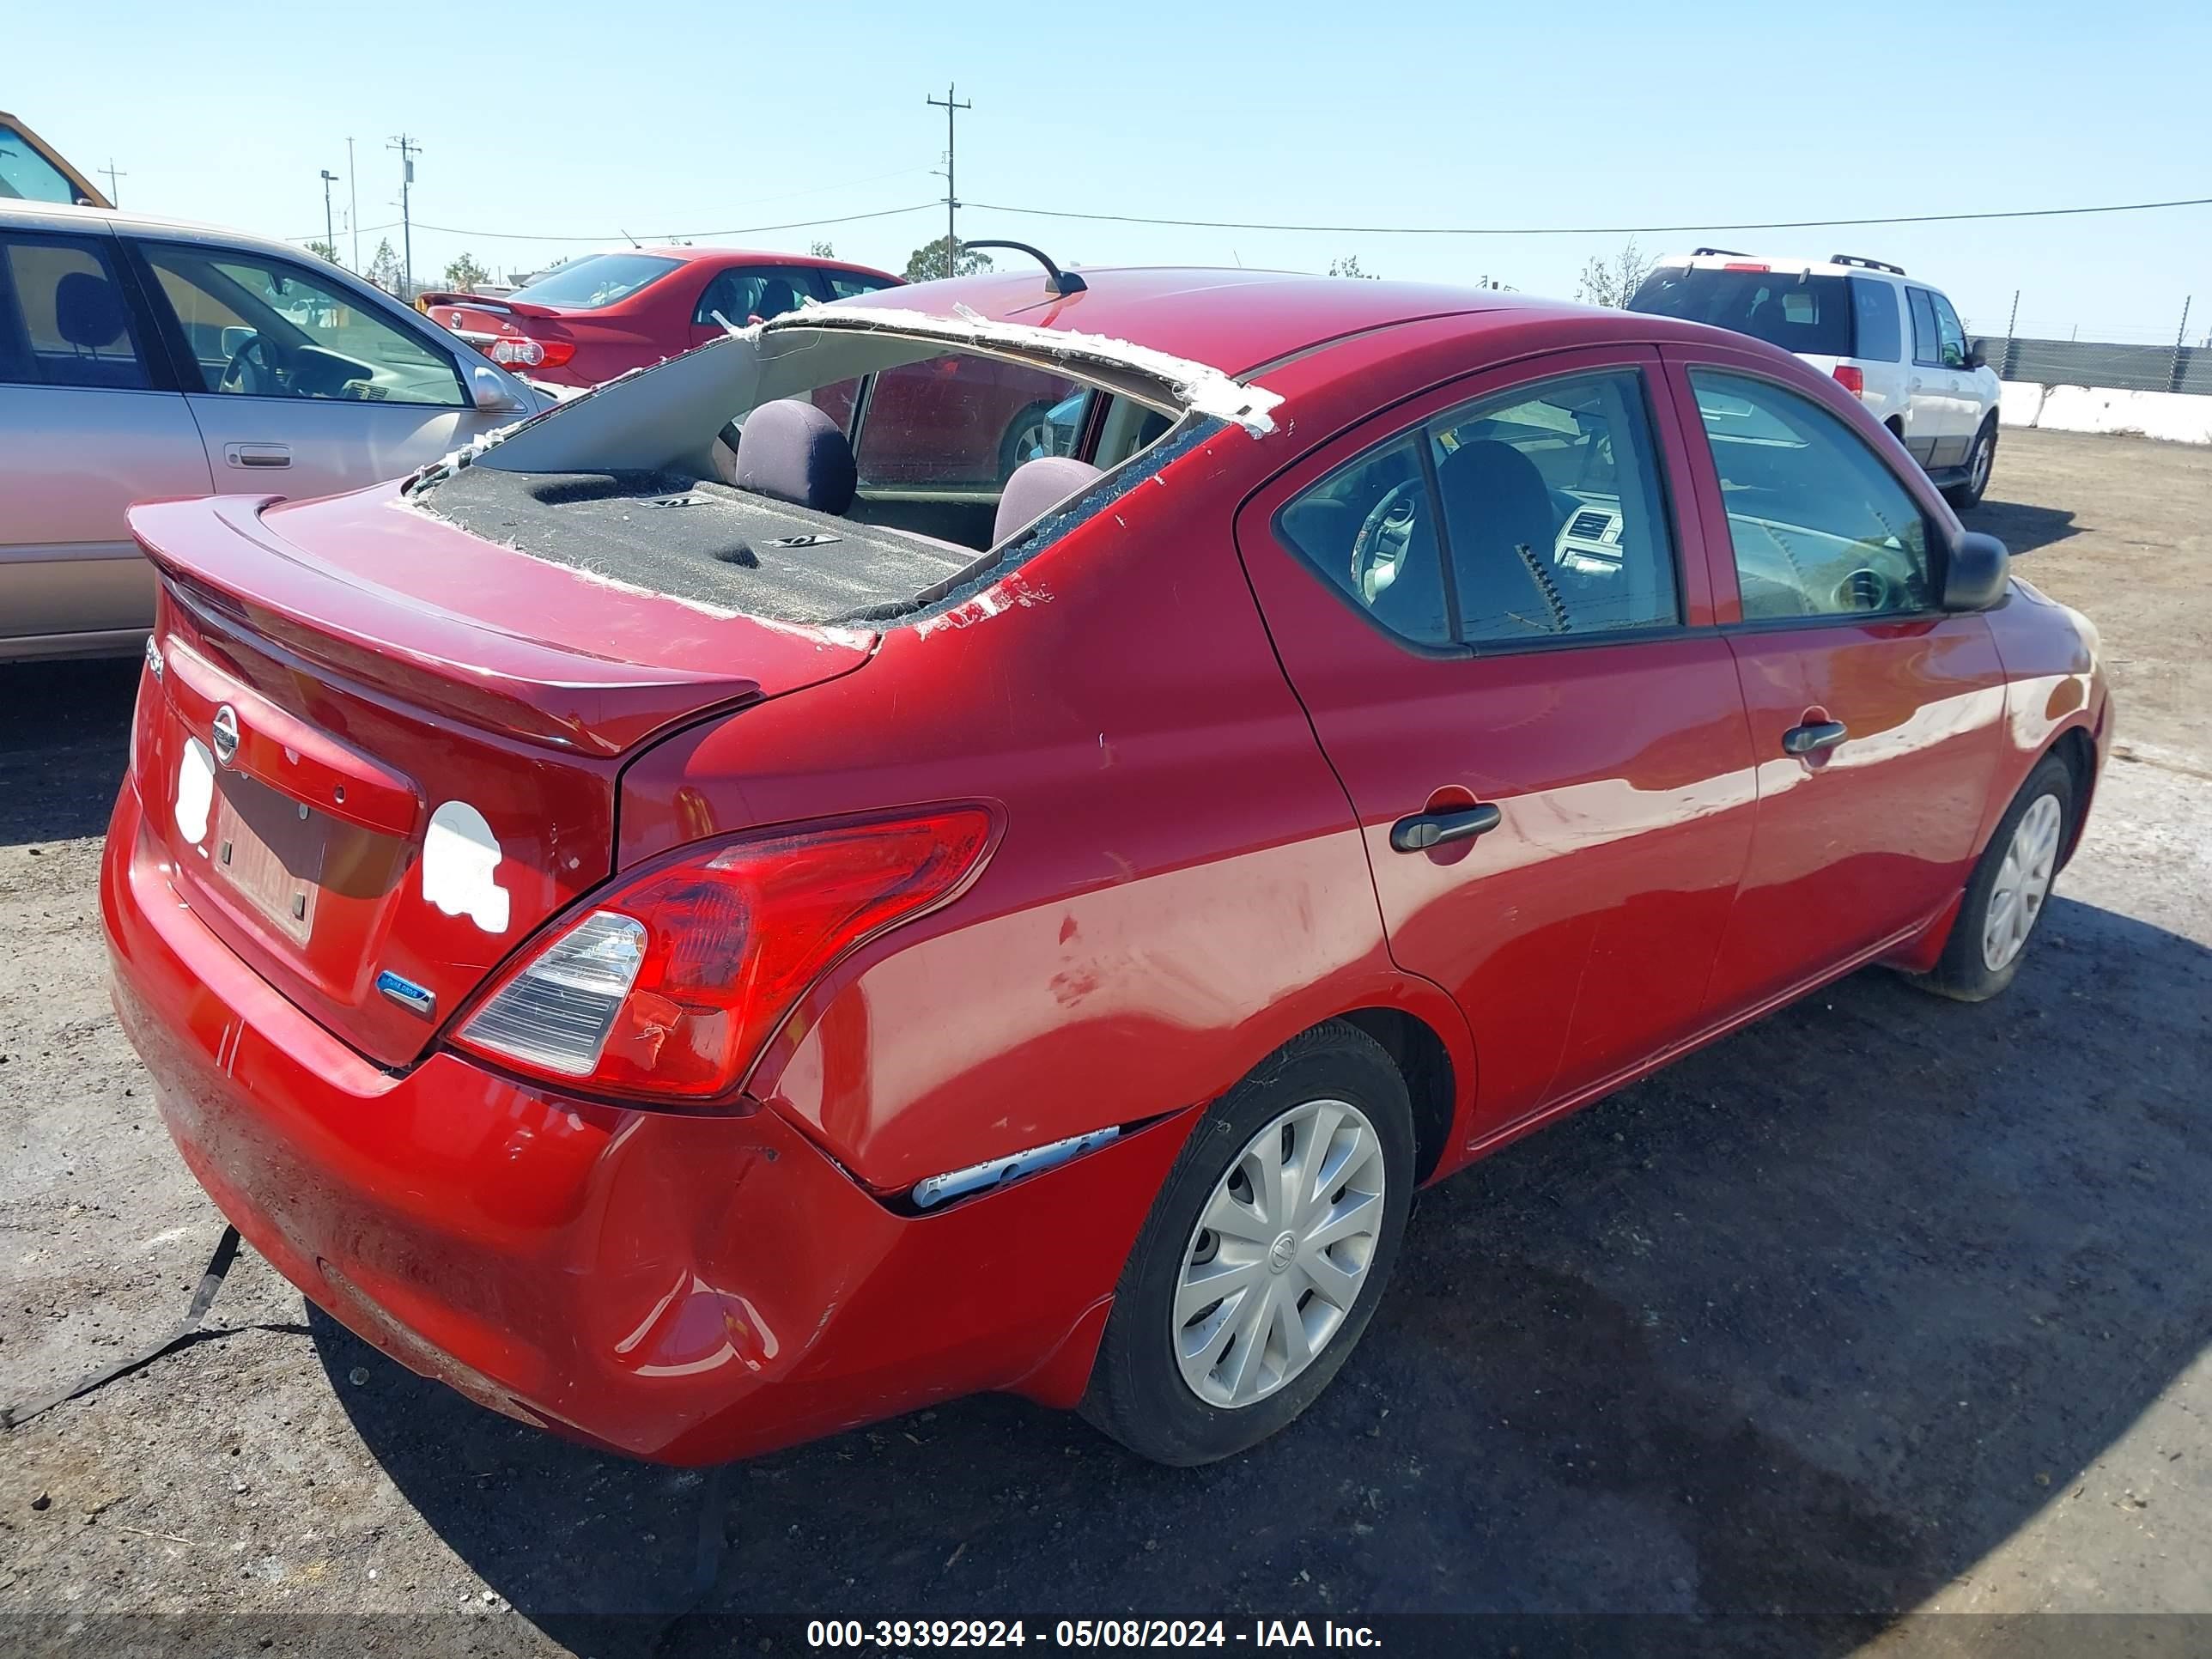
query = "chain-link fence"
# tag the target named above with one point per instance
(2091, 362)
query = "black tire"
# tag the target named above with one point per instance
(1010, 444)
(1981, 464)
(1138, 1393)
(1963, 973)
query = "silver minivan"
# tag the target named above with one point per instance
(141, 358)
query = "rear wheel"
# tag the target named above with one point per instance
(1265, 1254)
(1981, 461)
(2010, 885)
(1029, 436)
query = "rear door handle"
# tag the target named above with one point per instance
(1425, 829)
(257, 454)
(1806, 739)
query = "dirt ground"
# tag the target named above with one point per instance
(1883, 1307)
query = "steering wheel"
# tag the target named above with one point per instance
(1867, 589)
(1378, 551)
(244, 373)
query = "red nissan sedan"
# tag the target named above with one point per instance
(604, 314)
(698, 947)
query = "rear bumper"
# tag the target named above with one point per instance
(681, 1288)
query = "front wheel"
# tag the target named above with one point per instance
(1981, 461)
(2006, 896)
(1264, 1255)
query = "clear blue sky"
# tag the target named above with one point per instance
(557, 118)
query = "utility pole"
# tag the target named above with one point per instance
(330, 232)
(353, 204)
(408, 151)
(112, 175)
(952, 196)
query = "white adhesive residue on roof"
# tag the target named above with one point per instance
(1204, 388)
(460, 855)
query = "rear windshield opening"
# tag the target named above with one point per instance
(1791, 309)
(882, 477)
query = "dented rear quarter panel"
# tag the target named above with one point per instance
(1179, 888)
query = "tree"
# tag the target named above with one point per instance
(1349, 266)
(822, 251)
(926, 263)
(1614, 284)
(464, 273)
(324, 251)
(384, 269)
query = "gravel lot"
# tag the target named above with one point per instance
(1885, 1304)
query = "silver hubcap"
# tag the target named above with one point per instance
(1280, 1254)
(2023, 883)
(1984, 452)
(1034, 442)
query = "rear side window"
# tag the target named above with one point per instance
(1927, 340)
(751, 296)
(844, 284)
(1819, 526)
(596, 281)
(961, 422)
(28, 176)
(1874, 308)
(64, 319)
(1791, 309)
(1538, 515)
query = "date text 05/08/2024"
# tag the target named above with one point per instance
(908, 1635)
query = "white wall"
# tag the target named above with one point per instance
(2179, 418)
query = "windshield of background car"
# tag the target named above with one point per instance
(28, 176)
(1796, 311)
(597, 279)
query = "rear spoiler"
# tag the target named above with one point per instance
(482, 302)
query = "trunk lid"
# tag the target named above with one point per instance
(381, 751)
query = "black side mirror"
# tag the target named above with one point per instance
(1976, 358)
(1975, 575)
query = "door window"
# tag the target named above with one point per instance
(1927, 339)
(1552, 521)
(63, 320)
(1952, 336)
(259, 327)
(751, 296)
(1821, 527)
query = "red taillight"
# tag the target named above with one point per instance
(670, 985)
(1745, 265)
(1852, 381)
(523, 352)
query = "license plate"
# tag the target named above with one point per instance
(271, 848)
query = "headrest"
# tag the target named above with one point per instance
(1035, 485)
(87, 311)
(794, 452)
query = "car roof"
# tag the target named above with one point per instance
(1251, 321)
(690, 254)
(1237, 321)
(52, 216)
(1833, 265)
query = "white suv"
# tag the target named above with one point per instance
(1894, 342)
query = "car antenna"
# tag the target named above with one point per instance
(631, 239)
(1058, 281)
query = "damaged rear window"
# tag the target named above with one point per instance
(833, 473)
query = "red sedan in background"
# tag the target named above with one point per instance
(602, 315)
(698, 949)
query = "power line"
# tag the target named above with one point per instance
(617, 236)
(1583, 230)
